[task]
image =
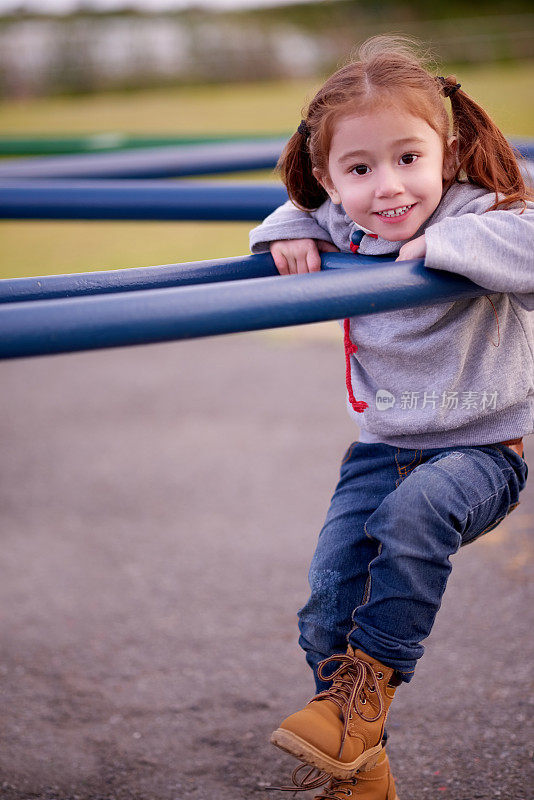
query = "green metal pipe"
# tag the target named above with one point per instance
(109, 142)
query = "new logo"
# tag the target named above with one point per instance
(384, 400)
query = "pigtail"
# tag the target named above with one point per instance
(295, 167)
(484, 155)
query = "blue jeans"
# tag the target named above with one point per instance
(382, 560)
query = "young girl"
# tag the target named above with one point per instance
(446, 391)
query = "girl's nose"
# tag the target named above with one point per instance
(388, 183)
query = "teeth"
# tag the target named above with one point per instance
(394, 212)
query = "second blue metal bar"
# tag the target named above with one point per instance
(50, 287)
(220, 201)
(129, 318)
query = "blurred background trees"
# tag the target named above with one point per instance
(90, 51)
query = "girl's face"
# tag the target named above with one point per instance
(386, 168)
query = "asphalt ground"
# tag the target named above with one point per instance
(159, 508)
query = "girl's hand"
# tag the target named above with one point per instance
(414, 249)
(298, 256)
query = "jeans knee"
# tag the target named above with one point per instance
(421, 515)
(322, 605)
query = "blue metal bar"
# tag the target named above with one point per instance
(49, 287)
(155, 200)
(129, 318)
(147, 200)
(157, 162)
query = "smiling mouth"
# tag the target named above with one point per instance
(395, 212)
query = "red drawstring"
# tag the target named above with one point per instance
(350, 349)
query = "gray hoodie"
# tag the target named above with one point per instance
(455, 373)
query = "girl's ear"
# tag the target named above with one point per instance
(328, 186)
(450, 158)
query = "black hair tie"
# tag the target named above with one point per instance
(448, 88)
(303, 128)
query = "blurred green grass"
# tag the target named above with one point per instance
(41, 248)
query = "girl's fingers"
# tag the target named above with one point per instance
(281, 264)
(280, 261)
(294, 262)
(298, 258)
(302, 264)
(313, 260)
(291, 264)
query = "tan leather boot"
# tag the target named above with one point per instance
(340, 730)
(376, 784)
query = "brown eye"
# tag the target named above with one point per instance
(408, 158)
(360, 169)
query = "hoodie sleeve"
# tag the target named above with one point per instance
(494, 249)
(288, 222)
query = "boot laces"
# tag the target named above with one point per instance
(336, 789)
(314, 778)
(348, 690)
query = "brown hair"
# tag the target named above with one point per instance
(389, 71)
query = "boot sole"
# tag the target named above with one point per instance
(293, 744)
